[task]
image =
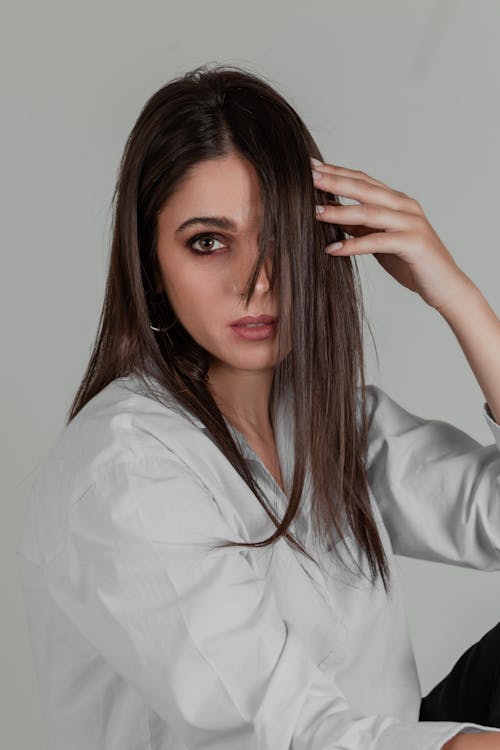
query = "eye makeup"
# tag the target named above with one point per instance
(201, 236)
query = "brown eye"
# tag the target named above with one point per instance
(202, 237)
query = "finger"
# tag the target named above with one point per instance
(365, 192)
(390, 242)
(354, 173)
(357, 230)
(368, 215)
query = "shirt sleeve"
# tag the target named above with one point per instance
(438, 489)
(196, 630)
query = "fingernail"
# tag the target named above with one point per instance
(319, 209)
(316, 175)
(334, 247)
(316, 162)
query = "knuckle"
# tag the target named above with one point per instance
(419, 223)
(369, 211)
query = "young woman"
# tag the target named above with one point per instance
(208, 551)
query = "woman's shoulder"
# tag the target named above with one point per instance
(121, 424)
(121, 432)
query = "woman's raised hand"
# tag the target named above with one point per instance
(393, 227)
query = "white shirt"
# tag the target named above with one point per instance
(144, 638)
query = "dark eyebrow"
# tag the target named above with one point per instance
(221, 222)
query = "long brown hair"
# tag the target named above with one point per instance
(204, 114)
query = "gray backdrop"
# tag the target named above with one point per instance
(405, 91)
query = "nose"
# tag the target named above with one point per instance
(243, 271)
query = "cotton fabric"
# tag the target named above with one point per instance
(146, 636)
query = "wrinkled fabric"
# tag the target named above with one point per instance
(146, 635)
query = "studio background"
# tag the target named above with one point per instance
(405, 91)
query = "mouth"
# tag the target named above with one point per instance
(255, 328)
(254, 321)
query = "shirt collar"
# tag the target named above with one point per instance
(240, 439)
(281, 424)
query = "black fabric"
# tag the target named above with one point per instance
(471, 691)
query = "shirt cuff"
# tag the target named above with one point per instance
(494, 426)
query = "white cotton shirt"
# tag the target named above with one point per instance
(146, 637)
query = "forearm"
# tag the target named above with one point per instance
(477, 329)
(473, 741)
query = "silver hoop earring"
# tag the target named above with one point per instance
(165, 328)
(158, 306)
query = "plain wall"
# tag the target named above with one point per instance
(405, 91)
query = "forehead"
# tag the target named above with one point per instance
(226, 186)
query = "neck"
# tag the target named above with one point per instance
(243, 397)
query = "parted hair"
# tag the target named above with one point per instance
(207, 113)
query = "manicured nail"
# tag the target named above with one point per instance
(317, 175)
(334, 247)
(316, 162)
(319, 209)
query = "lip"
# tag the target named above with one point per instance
(267, 319)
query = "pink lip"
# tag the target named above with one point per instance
(269, 319)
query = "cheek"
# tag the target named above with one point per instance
(195, 293)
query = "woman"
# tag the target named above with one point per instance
(186, 548)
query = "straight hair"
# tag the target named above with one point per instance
(207, 114)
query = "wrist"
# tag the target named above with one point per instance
(460, 293)
(473, 741)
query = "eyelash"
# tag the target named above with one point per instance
(203, 235)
